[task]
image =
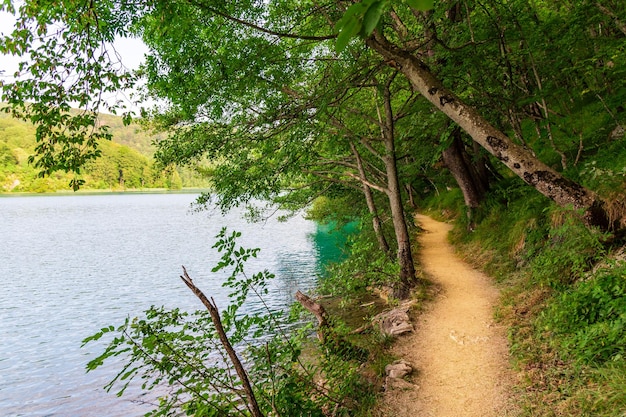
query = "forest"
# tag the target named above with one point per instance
(506, 118)
(125, 164)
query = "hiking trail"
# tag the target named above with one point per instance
(458, 352)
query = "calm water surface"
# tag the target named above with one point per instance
(70, 265)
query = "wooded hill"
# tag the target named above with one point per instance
(126, 162)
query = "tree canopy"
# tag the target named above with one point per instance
(294, 100)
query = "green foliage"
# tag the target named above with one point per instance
(360, 19)
(605, 170)
(609, 396)
(339, 211)
(67, 41)
(448, 201)
(183, 351)
(588, 320)
(119, 167)
(366, 265)
(570, 250)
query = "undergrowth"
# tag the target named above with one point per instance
(194, 356)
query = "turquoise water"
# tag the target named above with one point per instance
(70, 265)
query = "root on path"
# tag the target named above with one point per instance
(460, 354)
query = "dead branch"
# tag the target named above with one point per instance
(318, 311)
(252, 405)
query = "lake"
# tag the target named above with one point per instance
(70, 265)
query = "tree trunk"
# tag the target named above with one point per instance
(523, 163)
(465, 175)
(371, 205)
(394, 193)
(410, 192)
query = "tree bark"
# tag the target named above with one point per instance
(523, 163)
(465, 175)
(410, 192)
(394, 193)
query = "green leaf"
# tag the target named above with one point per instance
(422, 5)
(372, 17)
(353, 12)
(350, 30)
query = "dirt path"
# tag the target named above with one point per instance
(459, 353)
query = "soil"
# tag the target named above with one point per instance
(458, 352)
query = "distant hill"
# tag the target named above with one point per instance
(133, 136)
(126, 162)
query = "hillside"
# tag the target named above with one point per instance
(126, 162)
(133, 136)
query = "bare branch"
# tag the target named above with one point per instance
(252, 405)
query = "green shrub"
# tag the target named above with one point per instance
(187, 353)
(588, 322)
(365, 265)
(446, 203)
(605, 171)
(570, 251)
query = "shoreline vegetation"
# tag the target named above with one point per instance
(126, 163)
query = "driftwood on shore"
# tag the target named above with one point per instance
(333, 342)
(318, 311)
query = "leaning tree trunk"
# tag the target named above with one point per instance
(523, 163)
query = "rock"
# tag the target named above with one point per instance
(617, 133)
(397, 384)
(395, 372)
(384, 292)
(398, 369)
(395, 322)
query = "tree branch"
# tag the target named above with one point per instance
(260, 28)
(620, 25)
(323, 175)
(318, 311)
(368, 183)
(252, 405)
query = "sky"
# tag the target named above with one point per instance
(131, 51)
(8, 63)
